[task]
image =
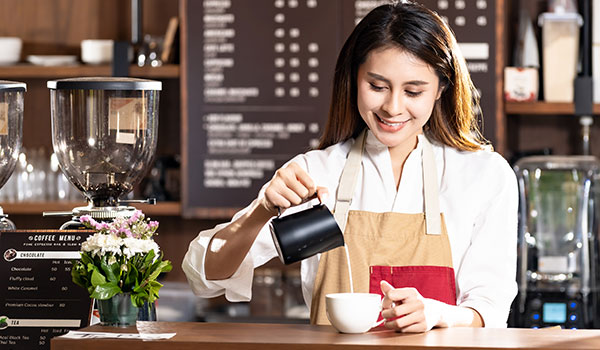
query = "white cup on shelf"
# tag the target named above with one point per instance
(96, 51)
(10, 50)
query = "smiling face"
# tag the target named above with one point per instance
(396, 95)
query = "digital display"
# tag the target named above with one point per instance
(554, 313)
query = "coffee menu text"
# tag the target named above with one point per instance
(38, 300)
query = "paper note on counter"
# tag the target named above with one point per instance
(95, 335)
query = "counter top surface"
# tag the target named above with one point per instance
(242, 336)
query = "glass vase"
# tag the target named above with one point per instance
(118, 311)
(147, 312)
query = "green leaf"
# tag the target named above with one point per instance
(86, 259)
(97, 278)
(78, 278)
(157, 269)
(105, 291)
(109, 273)
(116, 269)
(131, 278)
(139, 298)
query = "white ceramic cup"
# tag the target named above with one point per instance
(353, 312)
(10, 50)
(96, 51)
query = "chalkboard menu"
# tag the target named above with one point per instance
(38, 300)
(257, 85)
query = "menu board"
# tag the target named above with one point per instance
(38, 300)
(258, 78)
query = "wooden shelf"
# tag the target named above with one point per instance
(32, 208)
(32, 71)
(543, 108)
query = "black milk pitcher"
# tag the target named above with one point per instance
(305, 233)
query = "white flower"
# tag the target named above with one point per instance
(135, 245)
(100, 244)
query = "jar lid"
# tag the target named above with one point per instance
(6, 85)
(104, 83)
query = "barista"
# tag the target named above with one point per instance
(432, 220)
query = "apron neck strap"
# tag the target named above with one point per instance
(431, 196)
(348, 180)
(351, 171)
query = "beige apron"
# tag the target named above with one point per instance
(407, 250)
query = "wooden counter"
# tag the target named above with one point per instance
(246, 336)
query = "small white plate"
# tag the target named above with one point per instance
(52, 60)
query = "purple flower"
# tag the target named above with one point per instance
(153, 224)
(135, 217)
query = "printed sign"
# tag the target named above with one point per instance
(3, 118)
(38, 299)
(127, 117)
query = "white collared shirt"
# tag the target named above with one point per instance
(478, 197)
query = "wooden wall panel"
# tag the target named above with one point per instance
(58, 26)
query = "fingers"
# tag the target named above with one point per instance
(396, 295)
(291, 186)
(403, 309)
(303, 178)
(322, 194)
(412, 322)
(407, 317)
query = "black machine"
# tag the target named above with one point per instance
(558, 272)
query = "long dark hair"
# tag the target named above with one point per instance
(421, 32)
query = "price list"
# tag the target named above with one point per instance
(263, 73)
(259, 76)
(38, 300)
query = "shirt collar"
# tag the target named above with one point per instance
(373, 143)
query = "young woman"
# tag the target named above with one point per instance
(429, 213)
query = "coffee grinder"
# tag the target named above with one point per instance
(104, 133)
(11, 134)
(558, 274)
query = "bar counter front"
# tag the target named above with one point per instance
(246, 336)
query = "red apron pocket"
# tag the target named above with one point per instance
(434, 282)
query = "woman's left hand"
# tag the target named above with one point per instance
(406, 310)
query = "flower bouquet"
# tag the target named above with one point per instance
(121, 260)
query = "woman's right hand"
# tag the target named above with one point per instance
(289, 187)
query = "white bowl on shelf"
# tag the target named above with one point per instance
(52, 60)
(10, 50)
(96, 51)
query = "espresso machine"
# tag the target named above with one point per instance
(11, 134)
(557, 271)
(104, 133)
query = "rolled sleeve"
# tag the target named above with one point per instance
(236, 288)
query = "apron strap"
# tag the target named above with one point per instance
(348, 181)
(430, 190)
